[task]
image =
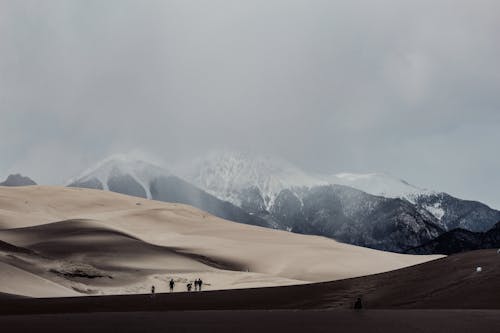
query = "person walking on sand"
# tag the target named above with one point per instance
(358, 305)
(196, 285)
(152, 291)
(172, 284)
(200, 283)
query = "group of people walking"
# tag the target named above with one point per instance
(198, 283)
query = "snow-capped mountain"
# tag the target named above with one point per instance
(121, 173)
(225, 174)
(229, 175)
(263, 185)
(378, 184)
(373, 210)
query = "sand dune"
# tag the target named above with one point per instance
(98, 242)
(19, 282)
(448, 283)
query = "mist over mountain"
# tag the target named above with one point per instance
(252, 184)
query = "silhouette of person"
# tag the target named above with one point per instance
(189, 286)
(152, 291)
(200, 283)
(172, 284)
(196, 285)
(358, 305)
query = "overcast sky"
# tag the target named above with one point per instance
(410, 88)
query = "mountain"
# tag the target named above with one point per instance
(290, 199)
(454, 213)
(384, 212)
(460, 240)
(226, 173)
(378, 184)
(246, 179)
(354, 217)
(122, 174)
(17, 180)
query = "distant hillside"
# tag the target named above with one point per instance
(460, 240)
(17, 180)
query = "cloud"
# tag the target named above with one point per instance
(405, 87)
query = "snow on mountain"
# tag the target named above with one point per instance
(379, 184)
(435, 209)
(120, 165)
(227, 174)
(254, 182)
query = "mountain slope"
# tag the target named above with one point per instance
(354, 217)
(229, 175)
(460, 240)
(454, 213)
(122, 174)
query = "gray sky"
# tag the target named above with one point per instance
(411, 88)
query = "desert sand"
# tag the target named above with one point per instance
(378, 321)
(445, 295)
(61, 241)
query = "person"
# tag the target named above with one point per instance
(358, 305)
(200, 283)
(172, 284)
(189, 286)
(152, 291)
(196, 285)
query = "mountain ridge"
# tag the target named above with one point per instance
(274, 193)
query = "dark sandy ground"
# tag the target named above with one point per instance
(290, 321)
(405, 300)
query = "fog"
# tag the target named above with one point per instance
(410, 88)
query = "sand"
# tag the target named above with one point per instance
(383, 321)
(447, 283)
(96, 242)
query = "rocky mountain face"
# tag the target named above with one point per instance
(454, 213)
(138, 178)
(359, 218)
(373, 210)
(17, 180)
(353, 216)
(460, 240)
